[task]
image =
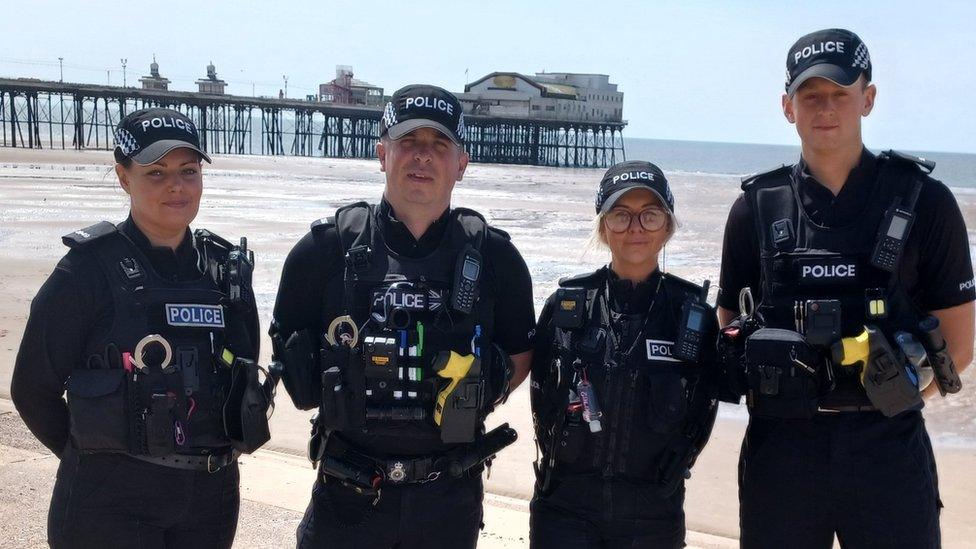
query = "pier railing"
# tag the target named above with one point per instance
(40, 114)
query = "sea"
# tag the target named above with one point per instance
(739, 159)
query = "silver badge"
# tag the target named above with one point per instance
(397, 473)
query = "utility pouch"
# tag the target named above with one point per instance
(886, 378)
(782, 374)
(570, 437)
(301, 369)
(343, 383)
(246, 408)
(667, 402)
(731, 348)
(160, 433)
(497, 377)
(96, 408)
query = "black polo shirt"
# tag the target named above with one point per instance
(72, 307)
(313, 271)
(936, 266)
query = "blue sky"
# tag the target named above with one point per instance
(709, 71)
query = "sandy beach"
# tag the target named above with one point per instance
(548, 212)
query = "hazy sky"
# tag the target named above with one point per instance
(709, 71)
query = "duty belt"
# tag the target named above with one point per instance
(210, 462)
(396, 470)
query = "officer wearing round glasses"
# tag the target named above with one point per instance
(860, 267)
(621, 391)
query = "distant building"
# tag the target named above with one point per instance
(154, 81)
(557, 96)
(211, 84)
(346, 90)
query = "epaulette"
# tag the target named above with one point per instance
(682, 285)
(924, 164)
(500, 232)
(84, 237)
(585, 280)
(207, 237)
(749, 179)
(323, 223)
(468, 211)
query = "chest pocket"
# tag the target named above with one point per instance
(667, 400)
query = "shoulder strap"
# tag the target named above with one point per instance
(93, 233)
(474, 226)
(771, 198)
(765, 176)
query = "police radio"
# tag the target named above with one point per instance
(467, 272)
(694, 313)
(238, 271)
(891, 238)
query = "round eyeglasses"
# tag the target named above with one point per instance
(618, 220)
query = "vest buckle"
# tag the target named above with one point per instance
(130, 268)
(357, 258)
(782, 232)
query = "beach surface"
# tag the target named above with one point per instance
(548, 212)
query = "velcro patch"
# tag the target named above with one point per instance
(658, 349)
(194, 316)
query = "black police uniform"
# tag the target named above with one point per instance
(824, 460)
(384, 464)
(136, 443)
(622, 486)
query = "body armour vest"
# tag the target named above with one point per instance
(803, 262)
(418, 398)
(657, 411)
(157, 382)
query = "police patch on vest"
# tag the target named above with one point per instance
(409, 298)
(658, 349)
(194, 316)
(817, 271)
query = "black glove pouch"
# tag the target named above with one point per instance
(160, 429)
(97, 411)
(778, 385)
(570, 438)
(300, 372)
(732, 383)
(343, 389)
(247, 407)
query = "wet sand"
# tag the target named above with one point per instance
(548, 212)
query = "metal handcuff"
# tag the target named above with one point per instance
(137, 355)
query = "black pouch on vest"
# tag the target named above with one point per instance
(301, 370)
(782, 374)
(731, 348)
(343, 388)
(96, 408)
(667, 402)
(160, 432)
(571, 438)
(246, 408)
(886, 378)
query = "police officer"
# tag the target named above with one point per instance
(151, 330)
(860, 267)
(621, 382)
(403, 322)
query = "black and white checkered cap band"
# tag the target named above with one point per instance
(126, 142)
(389, 115)
(861, 57)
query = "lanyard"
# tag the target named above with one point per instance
(614, 335)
